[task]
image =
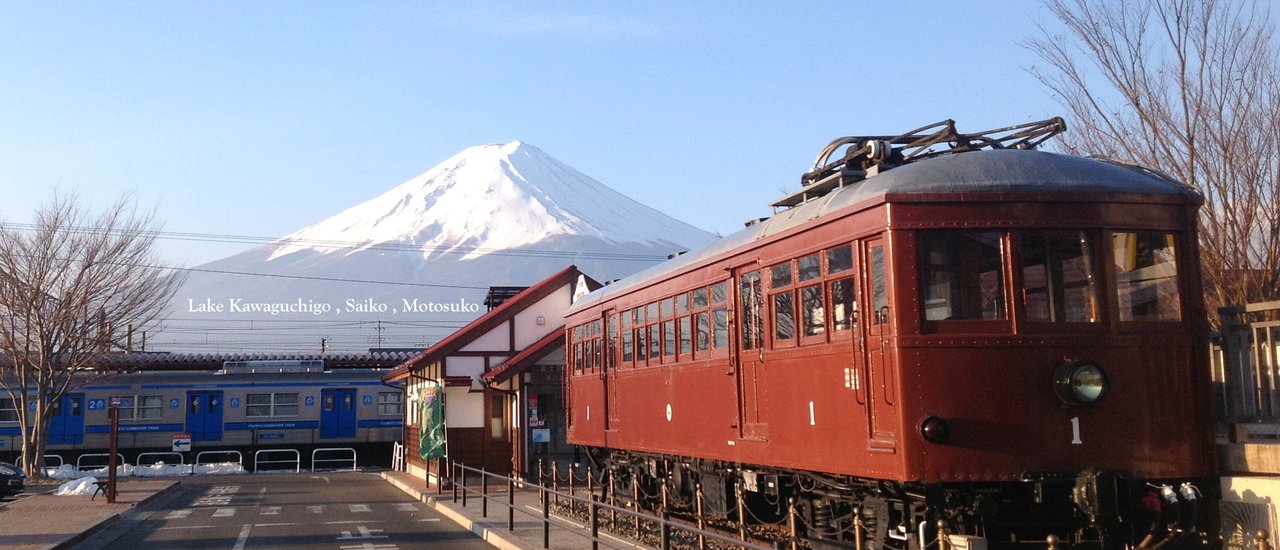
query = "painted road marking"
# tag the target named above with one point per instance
(358, 508)
(224, 512)
(365, 533)
(178, 514)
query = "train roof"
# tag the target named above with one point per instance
(997, 171)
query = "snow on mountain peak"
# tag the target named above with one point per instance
(489, 198)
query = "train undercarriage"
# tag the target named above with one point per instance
(1084, 510)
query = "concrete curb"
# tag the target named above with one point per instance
(495, 537)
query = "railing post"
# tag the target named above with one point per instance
(555, 481)
(859, 529)
(665, 527)
(635, 500)
(546, 517)
(792, 524)
(742, 509)
(1052, 541)
(511, 504)
(463, 469)
(484, 493)
(702, 523)
(593, 511)
(1263, 538)
(943, 542)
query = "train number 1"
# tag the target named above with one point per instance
(1075, 431)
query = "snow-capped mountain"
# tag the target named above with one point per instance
(492, 215)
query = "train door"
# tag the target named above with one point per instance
(204, 415)
(607, 371)
(749, 350)
(337, 413)
(66, 427)
(876, 341)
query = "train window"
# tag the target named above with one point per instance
(642, 346)
(961, 274)
(844, 304)
(879, 290)
(840, 259)
(668, 307)
(626, 319)
(699, 298)
(784, 319)
(271, 404)
(577, 357)
(627, 350)
(1058, 277)
(780, 275)
(682, 304)
(651, 313)
(809, 267)
(612, 346)
(720, 292)
(655, 342)
(1146, 276)
(390, 403)
(752, 306)
(703, 322)
(139, 407)
(811, 305)
(686, 338)
(720, 336)
(668, 338)
(8, 410)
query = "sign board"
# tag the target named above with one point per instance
(541, 435)
(181, 443)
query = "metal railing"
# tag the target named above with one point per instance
(181, 460)
(315, 458)
(261, 457)
(200, 464)
(593, 504)
(120, 463)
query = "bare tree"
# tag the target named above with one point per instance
(72, 283)
(1189, 87)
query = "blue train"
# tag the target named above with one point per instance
(246, 406)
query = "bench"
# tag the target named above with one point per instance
(101, 489)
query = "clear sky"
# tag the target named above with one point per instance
(260, 118)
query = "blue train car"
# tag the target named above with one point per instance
(246, 406)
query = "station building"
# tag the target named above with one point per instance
(499, 380)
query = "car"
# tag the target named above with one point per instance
(12, 480)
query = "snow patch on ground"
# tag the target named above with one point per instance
(84, 486)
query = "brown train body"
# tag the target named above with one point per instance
(899, 350)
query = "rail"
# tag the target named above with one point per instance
(60, 463)
(594, 507)
(344, 450)
(204, 467)
(105, 465)
(138, 461)
(259, 459)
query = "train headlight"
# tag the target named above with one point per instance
(934, 429)
(1080, 383)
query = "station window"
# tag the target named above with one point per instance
(271, 404)
(140, 407)
(390, 403)
(961, 275)
(1146, 276)
(1058, 276)
(8, 410)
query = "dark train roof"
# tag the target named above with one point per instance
(1005, 171)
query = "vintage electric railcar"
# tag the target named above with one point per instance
(936, 326)
(247, 406)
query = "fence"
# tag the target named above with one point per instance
(1246, 364)
(596, 511)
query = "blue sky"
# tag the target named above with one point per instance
(259, 118)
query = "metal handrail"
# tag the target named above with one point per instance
(352, 460)
(297, 458)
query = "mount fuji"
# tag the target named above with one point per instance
(491, 215)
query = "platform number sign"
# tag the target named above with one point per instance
(1075, 431)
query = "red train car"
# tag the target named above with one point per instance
(937, 326)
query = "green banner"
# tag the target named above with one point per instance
(431, 423)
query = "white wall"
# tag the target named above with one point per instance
(464, 366)
(463, 409)
(551, 309)
(498, 339)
